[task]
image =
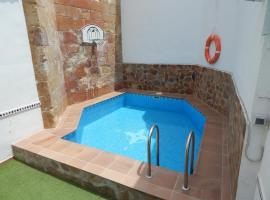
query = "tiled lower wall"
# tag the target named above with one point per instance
(215, 88)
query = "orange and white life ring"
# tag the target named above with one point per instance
(216, 39)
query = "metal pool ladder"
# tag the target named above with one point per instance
(191, 138)
(149, 172)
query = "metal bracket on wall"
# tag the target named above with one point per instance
(92, 34)
(18, 110)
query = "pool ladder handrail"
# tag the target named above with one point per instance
(149, 170)
(191, 138)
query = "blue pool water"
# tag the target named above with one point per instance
(120, 125)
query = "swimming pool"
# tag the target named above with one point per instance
(121, 124)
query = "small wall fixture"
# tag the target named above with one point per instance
(92, 34)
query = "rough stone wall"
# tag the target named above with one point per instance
(118, 49)
(47, 59)
(89, 70)
(164, 78)
(207, 84)
(235, 137)
(213, 87)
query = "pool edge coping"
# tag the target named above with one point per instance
(69, 123)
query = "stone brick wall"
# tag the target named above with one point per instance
(66, 71)
(89, 70)
(213, 87)
(207, 84)
(47, 59)
(235, 137)
(118, 49)
(164, 78)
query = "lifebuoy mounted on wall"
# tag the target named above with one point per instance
(216, 39)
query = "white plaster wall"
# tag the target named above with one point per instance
(17, 82)
(247, 179)
(264, 175)
(262, 108)
(249, 50)
(257, 194)
(161, 31)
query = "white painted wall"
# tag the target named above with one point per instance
(262, 108)
(264, 175)
(17, 83)
(249, 50)
(161, 31)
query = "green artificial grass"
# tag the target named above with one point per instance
(21, 182)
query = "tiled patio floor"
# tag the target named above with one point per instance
(210, 181)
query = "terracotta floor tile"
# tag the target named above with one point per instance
(80, 164)
(33, 148)
(209, 170)
(225, 160)
(180, 196)
(73, 149)
(94, 169)
(74, 110)
(39, 136)
(113, 175)
(212, 147)
(160, 176)
(225, 150)
(55, 156)
(122, 165)
(212, 140)
(215, 119)
(213, 137)
(88, 154)
(210, 158)
(226, 184)
(193, 191)
(104, 159)
(73, 118)
(47, 141)
(23, 143)
(69, 125)
(144, 186)
(62, 132)
(202, 182)
(211, 194)
(62, 158)
(59, 145)
(47, 153)
(213, 129)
